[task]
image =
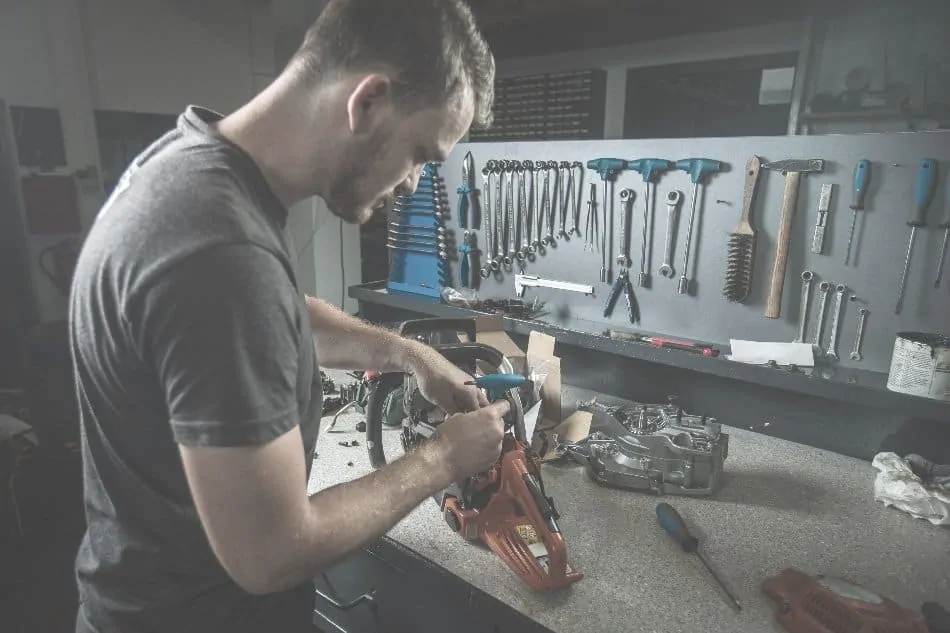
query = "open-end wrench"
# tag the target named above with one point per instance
(508, 258)
(824, 288)
(567, 184)
(522, 213)
(623, 252)
(673, 201)
(807, 278)
(576, 183)
(859, 337)
(551, 166)
(832, 352)
(489, 229)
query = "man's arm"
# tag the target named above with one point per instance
(222, 335)
(345, 342)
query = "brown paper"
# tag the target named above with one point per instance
(574, 429)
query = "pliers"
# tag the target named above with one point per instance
(468, 260)
(467, 191)
(623, 283)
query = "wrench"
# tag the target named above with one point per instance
(567, 184)
(545, 204)
(553, 201)
(576, 194)
(836, 322)
(807, 277)
(532, 207)
(825, 289)
(859, 338)
(485, 270)
(509, 216)
(623, 251)
(497, 243)
(521, 215)
(673, 200)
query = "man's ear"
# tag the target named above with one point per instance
(369, 101)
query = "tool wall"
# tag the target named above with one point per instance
(697, 306)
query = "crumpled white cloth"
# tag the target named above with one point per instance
(896, 485)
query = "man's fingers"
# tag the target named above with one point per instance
(482, 398)
(499, 408)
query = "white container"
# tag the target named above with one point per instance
(920, 365)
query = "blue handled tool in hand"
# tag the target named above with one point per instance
(926, 188)
(671, 521)
(862, 178)
(496, 385)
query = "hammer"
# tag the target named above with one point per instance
(792, 169)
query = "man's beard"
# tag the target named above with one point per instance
(347, 199)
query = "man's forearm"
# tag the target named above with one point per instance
(348, 516)
(346, 342)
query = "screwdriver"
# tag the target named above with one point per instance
(671, 521)
(945, 225)
(862, 177)
(926, 186)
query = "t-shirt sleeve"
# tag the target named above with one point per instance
(220, 330)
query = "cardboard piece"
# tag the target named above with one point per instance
(574, 429)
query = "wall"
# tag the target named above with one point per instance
(897, 42)
(762, 40)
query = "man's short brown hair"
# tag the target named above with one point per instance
(432, 50)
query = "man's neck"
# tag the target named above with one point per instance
(277, 133)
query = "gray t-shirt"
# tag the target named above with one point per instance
(186, 327)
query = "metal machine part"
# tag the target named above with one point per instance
(824, 207)
(653, 448)
(825, 289)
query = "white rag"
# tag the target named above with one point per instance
(896, 485)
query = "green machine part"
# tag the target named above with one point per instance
(393, 410)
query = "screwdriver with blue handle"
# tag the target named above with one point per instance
(926, 188)
(497, 385)
(945, 225)
(671, 521)
(862, 178)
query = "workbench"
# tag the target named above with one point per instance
(780, 505)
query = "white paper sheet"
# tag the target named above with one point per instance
(761, 352)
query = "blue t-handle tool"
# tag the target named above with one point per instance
(497, 384)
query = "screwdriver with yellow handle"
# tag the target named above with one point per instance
(671, 521)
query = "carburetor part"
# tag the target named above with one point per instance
(652, 448)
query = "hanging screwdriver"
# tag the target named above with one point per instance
(945, 225)
(862, 177)
(926, 186)
(671, 521)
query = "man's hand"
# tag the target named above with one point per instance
(442, 383)
(470, 443)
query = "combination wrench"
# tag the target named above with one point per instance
(498, 243)
(859, 337)
(576, 186)
(544, 240)
(553, 202)
(489, 231)
(566, 186)
(521, 214)
(673, 201)
(825, 289)
(532, 208)
(832, 352)
(623, 251)
(508, 259)
(807, 278)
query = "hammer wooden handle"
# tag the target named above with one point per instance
(773, 307)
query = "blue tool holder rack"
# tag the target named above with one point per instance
(418, 259)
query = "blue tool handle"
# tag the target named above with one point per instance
(862, 178)
(497, 384)
(946, 223)
(650, 167)
(698, 167)
(463, 207)
(926, 188)
(612, 295)
(671, 521)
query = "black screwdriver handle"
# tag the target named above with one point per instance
(671, 521)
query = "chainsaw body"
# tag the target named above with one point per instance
(653, 448)
(504, 507)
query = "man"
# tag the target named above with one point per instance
(196, 353)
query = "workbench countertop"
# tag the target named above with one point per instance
(780, 505)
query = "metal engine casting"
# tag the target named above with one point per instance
(651, 447)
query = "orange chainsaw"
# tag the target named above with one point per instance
(506, 506)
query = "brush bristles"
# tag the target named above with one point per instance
(739, 268)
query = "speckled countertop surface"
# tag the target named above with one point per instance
(780, 505)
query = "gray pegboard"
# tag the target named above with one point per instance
(877, 259)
